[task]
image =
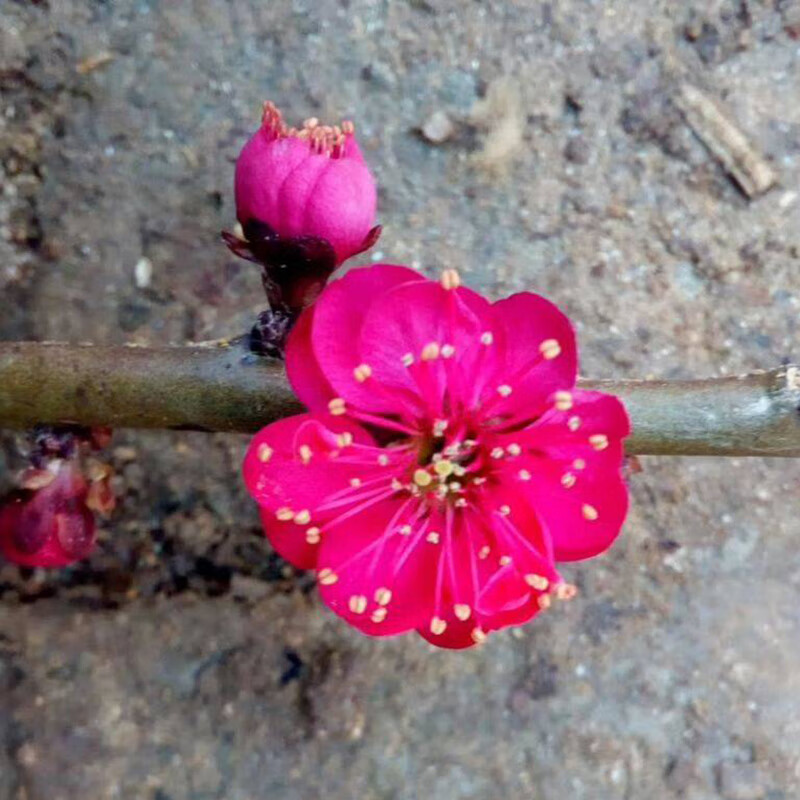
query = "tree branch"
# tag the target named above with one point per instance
(222, 387)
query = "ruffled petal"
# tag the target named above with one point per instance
(377, 569)
(572, 461)
(536, 353)
(338, 318)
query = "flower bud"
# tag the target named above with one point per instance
(305, 201)
(49, 524)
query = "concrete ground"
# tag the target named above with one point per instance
(531, 145)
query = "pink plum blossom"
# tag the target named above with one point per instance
(447, 461)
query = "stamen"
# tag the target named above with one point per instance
(478, 636)
(573, 423)
(344, 439)
(313, 535)
(450, 279)
(337, 406)
(422, 477)
(544, 601)
(305, 453)
(362, 372)
(405, 530)
(430, 352)
(383, 459)
(303, 517)
(565, 591)
(355, 482)
(327, 577)
(550, 348)
(599, 441)
(589, 512)
(524, 475)
(383, 596)
(432, 537)
(563, 401)
(514, 449)
(407, 359)
(438, 626)
(264, 453)
(579, 464)
(379, 614)
(487, 338)
(568, 480)
(498, 452)
(448, 351)
(505, 510)
(505, 561)
(538, 582)
(284, 514)
(444, 468)
(357, 603)
(462, 611)
(504, 390)
(484, 552)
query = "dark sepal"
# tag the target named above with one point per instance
(268, 336)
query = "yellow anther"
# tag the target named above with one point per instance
(379, 614)
(498, 452)
(514, 449)
(327, 577)
(568, 480)
(563, 401)
(337, 406)
(450, 279)
(504, 390)
(357, 603)
(264, 453)
(444, 468)
(407, 359)
(538, 582)
(544, 601)
(438, 626)
(504, 510)
(430, 351)
(550, 348)
(313, 535)
(303, 517)
(524, 475)
(383, 460)
(579, 464)
(344, 439)
(483, 554)
(487, 337)
(422, 477)
(284, 514)
(565, 591)
(505, 561)
(405, 530)
(478, 636)
(573, 423)
(432, 537)
(599, 441)
(589, 512)
(462, 611)
(383, 596)
(448, 351)
(305, 453)
(362, 372)
(355, 482)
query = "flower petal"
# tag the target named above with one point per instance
(574, 459)
(302, 367)
(338, 318)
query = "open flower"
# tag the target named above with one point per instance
(306, 200)
(50, 525)
(447, 461)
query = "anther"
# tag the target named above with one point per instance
(383, 459)
(337, 406)
(544, 601)
(498, 452)
(355, 482)
(573, 423)
(407, 359)
(284, 514)
(579, 464)
(313, 535)
(483, 554)
(443, 468)
(379, 614)
(305, 453)
(357, 603)
(568, 480)
(303, 517)
(383, 596)
(563, 401)
(344, 439)
(514, 449)
(599, 441)
(438, 626)
(505, 510)
(264, 453)
(505, 561)
(450, 279)
(478, 636)
(405, 530)
(589, 512)
(432, 537)
(461, 503)
(538, 582)
(524, 475)
(565, 591)
(487, 337)
(430, 352)
(327, 577)
(422, 477)
(504, 390)
(462, 611)
(448, 351)
(550, 348)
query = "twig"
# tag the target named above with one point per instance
(726, 141)
(222, 387)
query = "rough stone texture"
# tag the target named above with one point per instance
(185, 660)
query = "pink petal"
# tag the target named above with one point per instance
(378, 579)
(302, 368)
(440, 329)
(576, 485)
(526, 326)
(337, 325)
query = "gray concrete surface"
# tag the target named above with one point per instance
(185, 660)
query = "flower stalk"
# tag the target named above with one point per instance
(224, 387)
